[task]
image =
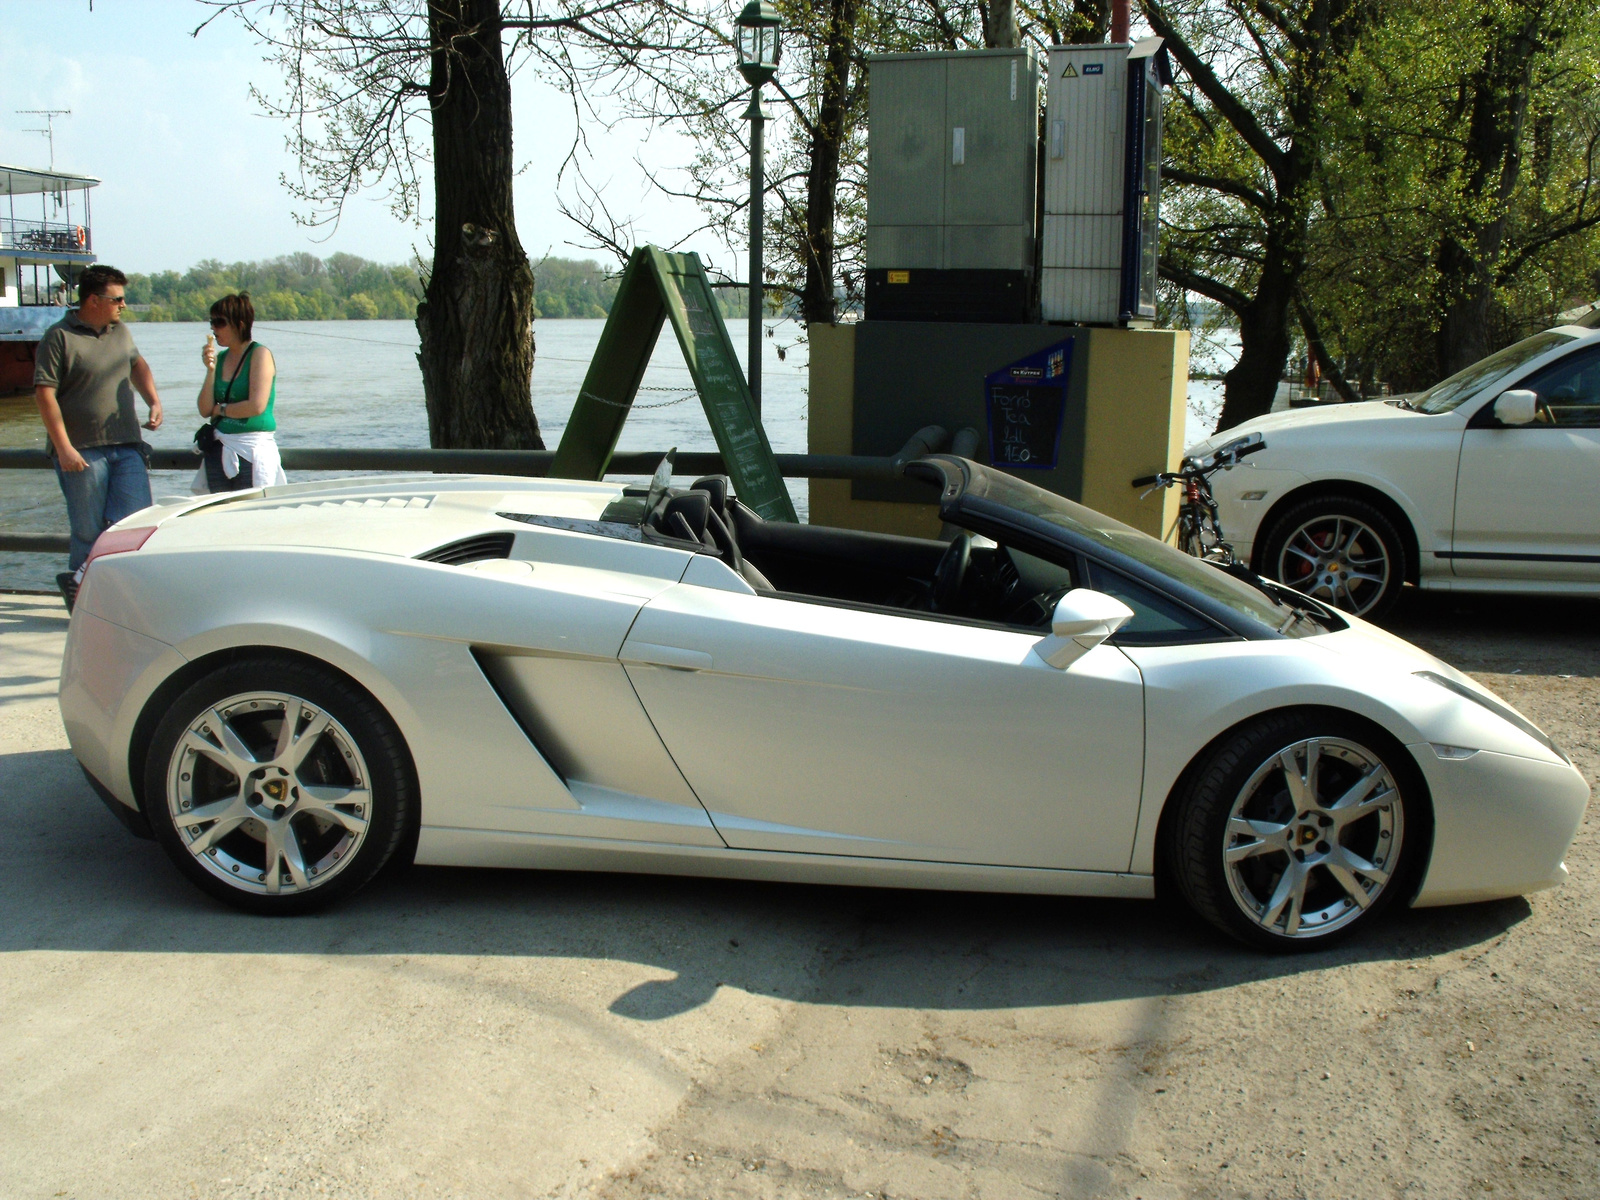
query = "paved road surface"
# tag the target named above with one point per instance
(494, 1034)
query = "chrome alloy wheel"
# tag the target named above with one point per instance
(1313, 837)
(269, 793)
(1337, 559)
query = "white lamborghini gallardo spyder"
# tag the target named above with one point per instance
(288, 688)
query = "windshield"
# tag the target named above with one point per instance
(1463, 385)
(1212, 582)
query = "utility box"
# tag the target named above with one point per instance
(952, 175)
(1102, 183)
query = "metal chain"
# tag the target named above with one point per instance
(664, 404)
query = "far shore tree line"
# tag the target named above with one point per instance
(346, 287)
(1392, 188)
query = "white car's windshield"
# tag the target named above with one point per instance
(1210, 581)
(1463, 385)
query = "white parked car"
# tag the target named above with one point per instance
(1488, 481)
(288, 688)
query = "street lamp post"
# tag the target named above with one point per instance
(759, 47)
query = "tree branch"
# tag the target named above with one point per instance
(1240, 191)
(1233, 111)
(1210, 288)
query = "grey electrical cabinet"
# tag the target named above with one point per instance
(952, 172)
(1102, 182)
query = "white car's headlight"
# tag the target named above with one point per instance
(1509, 715)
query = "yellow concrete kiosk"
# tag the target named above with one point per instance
(1122, 413)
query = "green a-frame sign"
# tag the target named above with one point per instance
(656, 287)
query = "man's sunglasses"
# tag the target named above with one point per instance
(122, 300)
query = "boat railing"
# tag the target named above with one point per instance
(54, 236)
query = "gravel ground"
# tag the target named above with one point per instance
(491, 1034)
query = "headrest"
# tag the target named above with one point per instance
(695, 510)
(716, 487)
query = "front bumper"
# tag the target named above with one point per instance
(1502, 824)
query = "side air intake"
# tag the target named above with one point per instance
(471, 550)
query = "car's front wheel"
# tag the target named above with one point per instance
(1297, 830)
(1341, 550)
(278, 786)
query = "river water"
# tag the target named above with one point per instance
(356, 383)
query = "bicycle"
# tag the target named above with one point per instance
(1199, 531)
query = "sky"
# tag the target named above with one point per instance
(191, 166)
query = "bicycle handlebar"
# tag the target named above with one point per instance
(1227, 457)
(1250, 448)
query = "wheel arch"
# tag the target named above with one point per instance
(161, 699)
(1318, 489)
(1395, 753)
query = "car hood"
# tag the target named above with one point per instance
(1389, 666)
(1280, 427)
(408, 515)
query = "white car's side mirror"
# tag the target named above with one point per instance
(1519, 406)
(1083, 619)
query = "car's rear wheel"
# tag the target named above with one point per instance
(1341, 550)
(1298, 830)
(278, 786)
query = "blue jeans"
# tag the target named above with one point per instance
(114, 485)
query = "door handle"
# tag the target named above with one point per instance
(674, 657)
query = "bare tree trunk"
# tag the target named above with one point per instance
(1000, 25)
(1248, 389)
(817, 301)
(476, 321)
(1326, 363)
(1327, 34)
(1468, 256)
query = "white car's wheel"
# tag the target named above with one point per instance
(1340, 550)
(278, 786)
(1298, 830)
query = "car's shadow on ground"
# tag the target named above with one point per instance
(1553, 635)
(71, 879)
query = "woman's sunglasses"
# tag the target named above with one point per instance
(218, 322)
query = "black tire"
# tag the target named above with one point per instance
(1368, 535)
(1231, 877)
(328, 818)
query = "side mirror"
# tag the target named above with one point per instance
(1083, 619)
(1517, 407)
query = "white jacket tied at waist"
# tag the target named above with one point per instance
(259, 449)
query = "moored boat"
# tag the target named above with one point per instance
(40, 258)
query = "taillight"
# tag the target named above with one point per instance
(118, 541)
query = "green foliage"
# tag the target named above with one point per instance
(345, 287)
(1445, 202)
(1463, 187)
(565, 287)
(296, 287)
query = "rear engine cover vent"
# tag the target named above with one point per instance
(374, 502)
(472, 549)
(366, 503)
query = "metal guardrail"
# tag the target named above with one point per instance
(533, 463)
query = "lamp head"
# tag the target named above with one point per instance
(759, 42)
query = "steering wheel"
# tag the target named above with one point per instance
(951, 573)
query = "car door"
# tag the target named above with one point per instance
(1525, 495)
(821, 727)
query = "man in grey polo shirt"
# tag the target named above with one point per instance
(85, 373)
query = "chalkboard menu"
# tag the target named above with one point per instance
(1024, 405)
(659, 287)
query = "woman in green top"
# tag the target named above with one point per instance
(238, 395)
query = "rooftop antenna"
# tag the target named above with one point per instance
(49, 131)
